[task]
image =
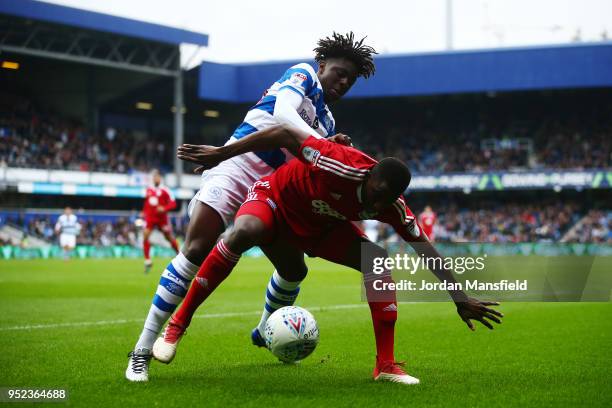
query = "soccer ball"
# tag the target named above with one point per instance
(291, 334)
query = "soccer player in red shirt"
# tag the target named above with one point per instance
(308, 205)
(158, 202)
(428, 219)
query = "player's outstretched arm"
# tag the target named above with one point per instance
(270, 138)
(468, 308)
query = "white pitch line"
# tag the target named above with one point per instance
(202, 316)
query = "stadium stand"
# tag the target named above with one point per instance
(33, 138)
(437, 141)
(474, 125)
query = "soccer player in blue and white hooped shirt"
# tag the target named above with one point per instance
(299, 98)
(68, 228)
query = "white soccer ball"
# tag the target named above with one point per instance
(291, 334)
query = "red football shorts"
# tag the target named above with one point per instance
(331, 245)
(162, 224)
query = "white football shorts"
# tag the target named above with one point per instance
(224, 188)
(67, 240)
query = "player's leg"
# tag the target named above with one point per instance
(284, 285)
(71, 246)
(146, 246)
(63, 240)
(205, 226)
(214, 206)
(347, 246)
(254, 225)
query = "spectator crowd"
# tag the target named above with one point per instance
(443, 144)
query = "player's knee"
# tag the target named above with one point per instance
(293, 273)
(195, 250)
(246, 233)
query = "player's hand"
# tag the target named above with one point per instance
(160, 209)
(342, 139)
(474, 309)
(206, 156)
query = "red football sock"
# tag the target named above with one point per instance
(384, 315)
(216, 267)
(174, 245)
(146, 246)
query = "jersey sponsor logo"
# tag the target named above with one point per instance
(153, 201)
(305, 117)
(311, 154)
(323, 208)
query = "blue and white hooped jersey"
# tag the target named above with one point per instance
(303, 80)
(68, 224)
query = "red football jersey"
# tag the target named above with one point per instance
(322, 187)
(158, 197)
(428, 219)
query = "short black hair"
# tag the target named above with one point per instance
(394, 172)
(345, 46)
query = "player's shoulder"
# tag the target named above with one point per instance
(304, 66)
(346, 154)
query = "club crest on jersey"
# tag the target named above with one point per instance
(310, 154)
(298, 78)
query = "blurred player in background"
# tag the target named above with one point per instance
(299, 98)
(68, 228)
(428, 219)
(158, 202)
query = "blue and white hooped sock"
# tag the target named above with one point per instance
(279, 293)
(172, 288)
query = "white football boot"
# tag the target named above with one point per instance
(392, 371)
(138, 365)
(165, 346)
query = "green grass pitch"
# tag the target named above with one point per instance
(71, 324)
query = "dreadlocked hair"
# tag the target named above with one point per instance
(345, 46)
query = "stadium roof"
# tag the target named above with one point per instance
(53, 13)
(508, 69)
